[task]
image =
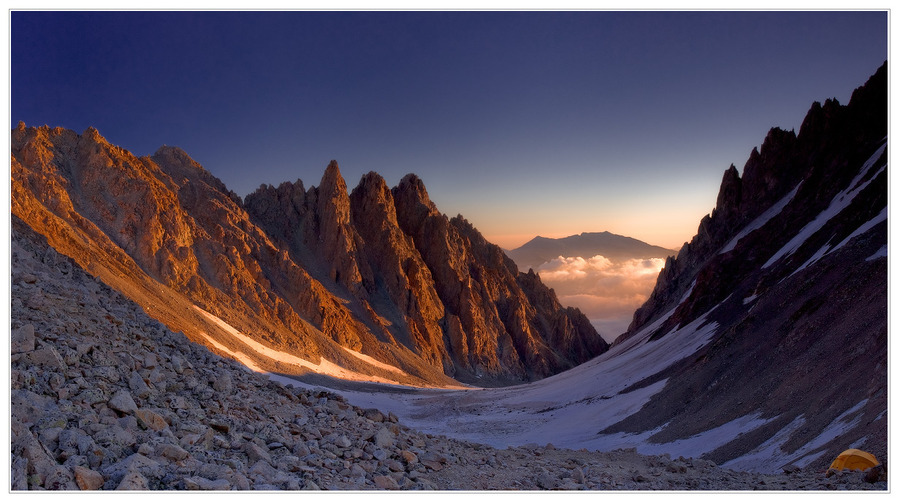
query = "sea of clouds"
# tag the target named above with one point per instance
(607, 291)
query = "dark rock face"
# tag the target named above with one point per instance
(834, 141)
(792, 267)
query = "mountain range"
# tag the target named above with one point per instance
(376, 281)
(587, 244)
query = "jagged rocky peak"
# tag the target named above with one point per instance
(277, 205)
(340, 240)
(179, 165)
(816, 164)
(24, 132)
(374, 217)
(785, 284)
(396, 271)
(333, 200)
(411, 181)
(175, 156)
(379, 270)
(819, 118)
(729, 199)
(770, 172)
(411, 195)
(92, 134)
(437, 286)
(314, 224)
(332, 184)
(370, 193)
(128, 199)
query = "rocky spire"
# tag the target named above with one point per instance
(398, 270)
(338, 237)
(729, 198)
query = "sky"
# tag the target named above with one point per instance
(526, 123)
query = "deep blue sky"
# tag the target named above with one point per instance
(527, 123)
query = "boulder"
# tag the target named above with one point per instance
(122, 402)
(87, 479)
(22, 339)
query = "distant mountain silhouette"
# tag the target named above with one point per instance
(587, 244)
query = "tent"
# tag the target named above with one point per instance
(854, 459)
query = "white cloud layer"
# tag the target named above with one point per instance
(607, 291)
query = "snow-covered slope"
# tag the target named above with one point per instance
(567, 410)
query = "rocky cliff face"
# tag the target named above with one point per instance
(169, 235)
(790, 269)
(427, 282)
(315, 273)
(785, 182)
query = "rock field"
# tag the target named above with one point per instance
(104, 397)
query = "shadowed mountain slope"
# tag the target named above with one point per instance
(792, 267)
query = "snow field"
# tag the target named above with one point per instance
(324, 367)
(838, 204)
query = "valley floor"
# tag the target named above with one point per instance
(538, 465)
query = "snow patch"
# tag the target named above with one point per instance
(237, 355)
(859, 443)
(826, 250)
(761, 220)
(809, 458)
(769, 457)
(821, 252)
(323, 367)
(568, 410)
(881, 253)
(841, 424)
(372, 361)
(881, 217)
(702, 443)
(688, 293)
(837, 205)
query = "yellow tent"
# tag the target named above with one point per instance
(854, 459)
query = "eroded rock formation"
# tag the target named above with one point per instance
(311, 272)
